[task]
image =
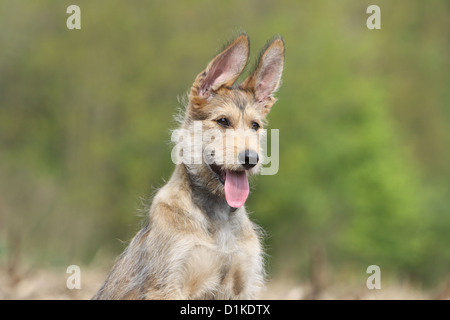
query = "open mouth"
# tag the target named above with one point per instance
(221, 174)
(235, 185)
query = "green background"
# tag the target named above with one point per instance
(363, 117)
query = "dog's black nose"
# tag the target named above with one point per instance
(248, 158)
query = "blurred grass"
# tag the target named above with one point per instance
(363, 118)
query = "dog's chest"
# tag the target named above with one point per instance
(226, 238)
(224, 267)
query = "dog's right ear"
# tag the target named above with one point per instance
(223, 70)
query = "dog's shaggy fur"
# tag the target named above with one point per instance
(196, 245)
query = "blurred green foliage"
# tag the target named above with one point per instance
(363, 116)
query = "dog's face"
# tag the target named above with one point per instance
(231, 117)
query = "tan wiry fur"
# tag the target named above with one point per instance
(194, 245)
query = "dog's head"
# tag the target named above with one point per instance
(230, 117)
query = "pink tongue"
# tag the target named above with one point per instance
(236, 188)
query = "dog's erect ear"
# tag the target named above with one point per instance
(266, 79)
(224, 69)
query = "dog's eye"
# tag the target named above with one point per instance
(255, 126)
(223, 122)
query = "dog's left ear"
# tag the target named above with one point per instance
(266, 79)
